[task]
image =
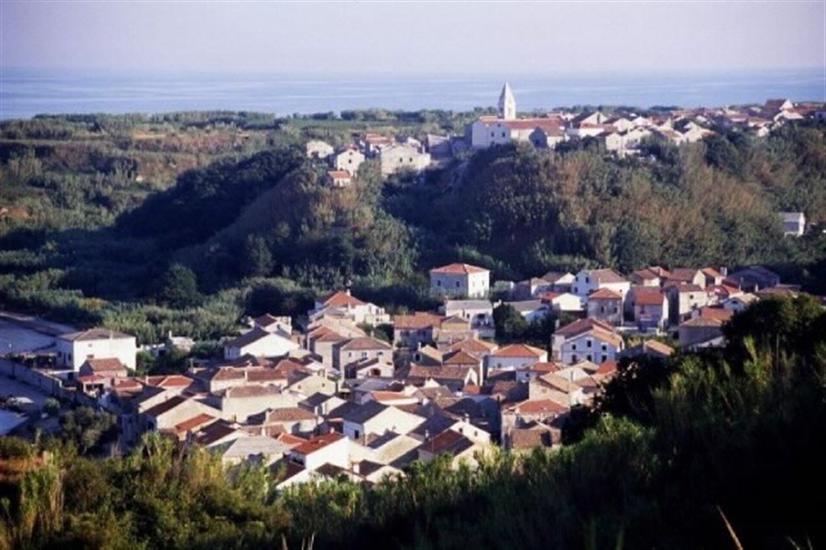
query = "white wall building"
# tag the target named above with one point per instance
(75, 348)
(349, 160)
(460, 280)
(397, 158)
(259, 343)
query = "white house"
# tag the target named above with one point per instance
(349, 160)
(562, 301)
(342, 303)
(589, 280)
(794, 223)
(259, 343)
(397, 158)
(375, 418)
(478, 312)
(460, 280)
(319, 149)
(75, 348)
(586, 340)
(515, 356)
(331, 448)
(339, 178)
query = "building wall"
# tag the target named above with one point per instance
(577, 349)
(470, 285)
(268, 346)
(608, 311)
(239, 408)
(401, 157)
(72, 354)
(349, 160)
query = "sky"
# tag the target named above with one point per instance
(413, 37)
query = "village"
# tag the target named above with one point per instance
(328, 397)
(621, 133)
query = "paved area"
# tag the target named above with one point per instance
(29, 397)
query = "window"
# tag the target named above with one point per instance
(438, 283)
(573, 347)
(587, 280)
(457, 284)
(492, 134)
(604, 358)
(588, 343)
(574, 358)
(590, 357)
(604, 347)
(503, 134)
(356, 434)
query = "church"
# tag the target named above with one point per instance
(506, 127)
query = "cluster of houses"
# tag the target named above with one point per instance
(333, 398)
(393, 155)
(624, 130)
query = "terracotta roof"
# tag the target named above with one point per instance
(539, 406)
(251, 391)
(105, 365)
(519, 350)
(338, 174)
(604, 294)
(460, 357)
(288, 414)
(443, 372)
(214, 432)
(528, 438)
(417, 320)
(458, 269)
(448, 441)
(317, 442)
(606, 276)
(685, 274)
(579, 326)
(701, 322)
(652, 297)
(718, 313)
(266, 320)
(609, 367)
(290, 439)
(558, 382)
(194, 422)
(365, 343)
(342, 298)
(545, 366)
(473, 345)
(658, 347)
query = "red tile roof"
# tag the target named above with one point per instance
(519, 350)
(458, 269)
(342, 298)
(604, 294)
(317, 442)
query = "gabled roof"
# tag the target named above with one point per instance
(365, 412)
(105, 365)
(165, 406)
(448, 441)
(519, 350)
(342, 298)
(473, 345)
(657, 347)
(648, 296)
(250, 337)
(460, 357)
(417, 320)
(581, 325)
(606, 276)
(604, 294)
(168, 381)
(539, 406)
(458, 269)
(317, 442)
(365, 343)
(94, 334)
(442, 372)
(266, 320)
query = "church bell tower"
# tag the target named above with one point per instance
(507, 103)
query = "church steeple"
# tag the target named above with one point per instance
(507, 103)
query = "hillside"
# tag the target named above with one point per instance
(90, 238)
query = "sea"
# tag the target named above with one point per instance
(25, 93)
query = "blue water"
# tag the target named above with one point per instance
(25, 93)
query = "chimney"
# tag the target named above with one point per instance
(724, 271)
(427, 435)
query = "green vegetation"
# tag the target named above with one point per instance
(186, 222)
(736, 431)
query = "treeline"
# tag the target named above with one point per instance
(678, 455)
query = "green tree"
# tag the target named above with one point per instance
(257, 259)
(178, 287)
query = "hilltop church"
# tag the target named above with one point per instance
(506, 127)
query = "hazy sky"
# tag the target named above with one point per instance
(413, 37)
